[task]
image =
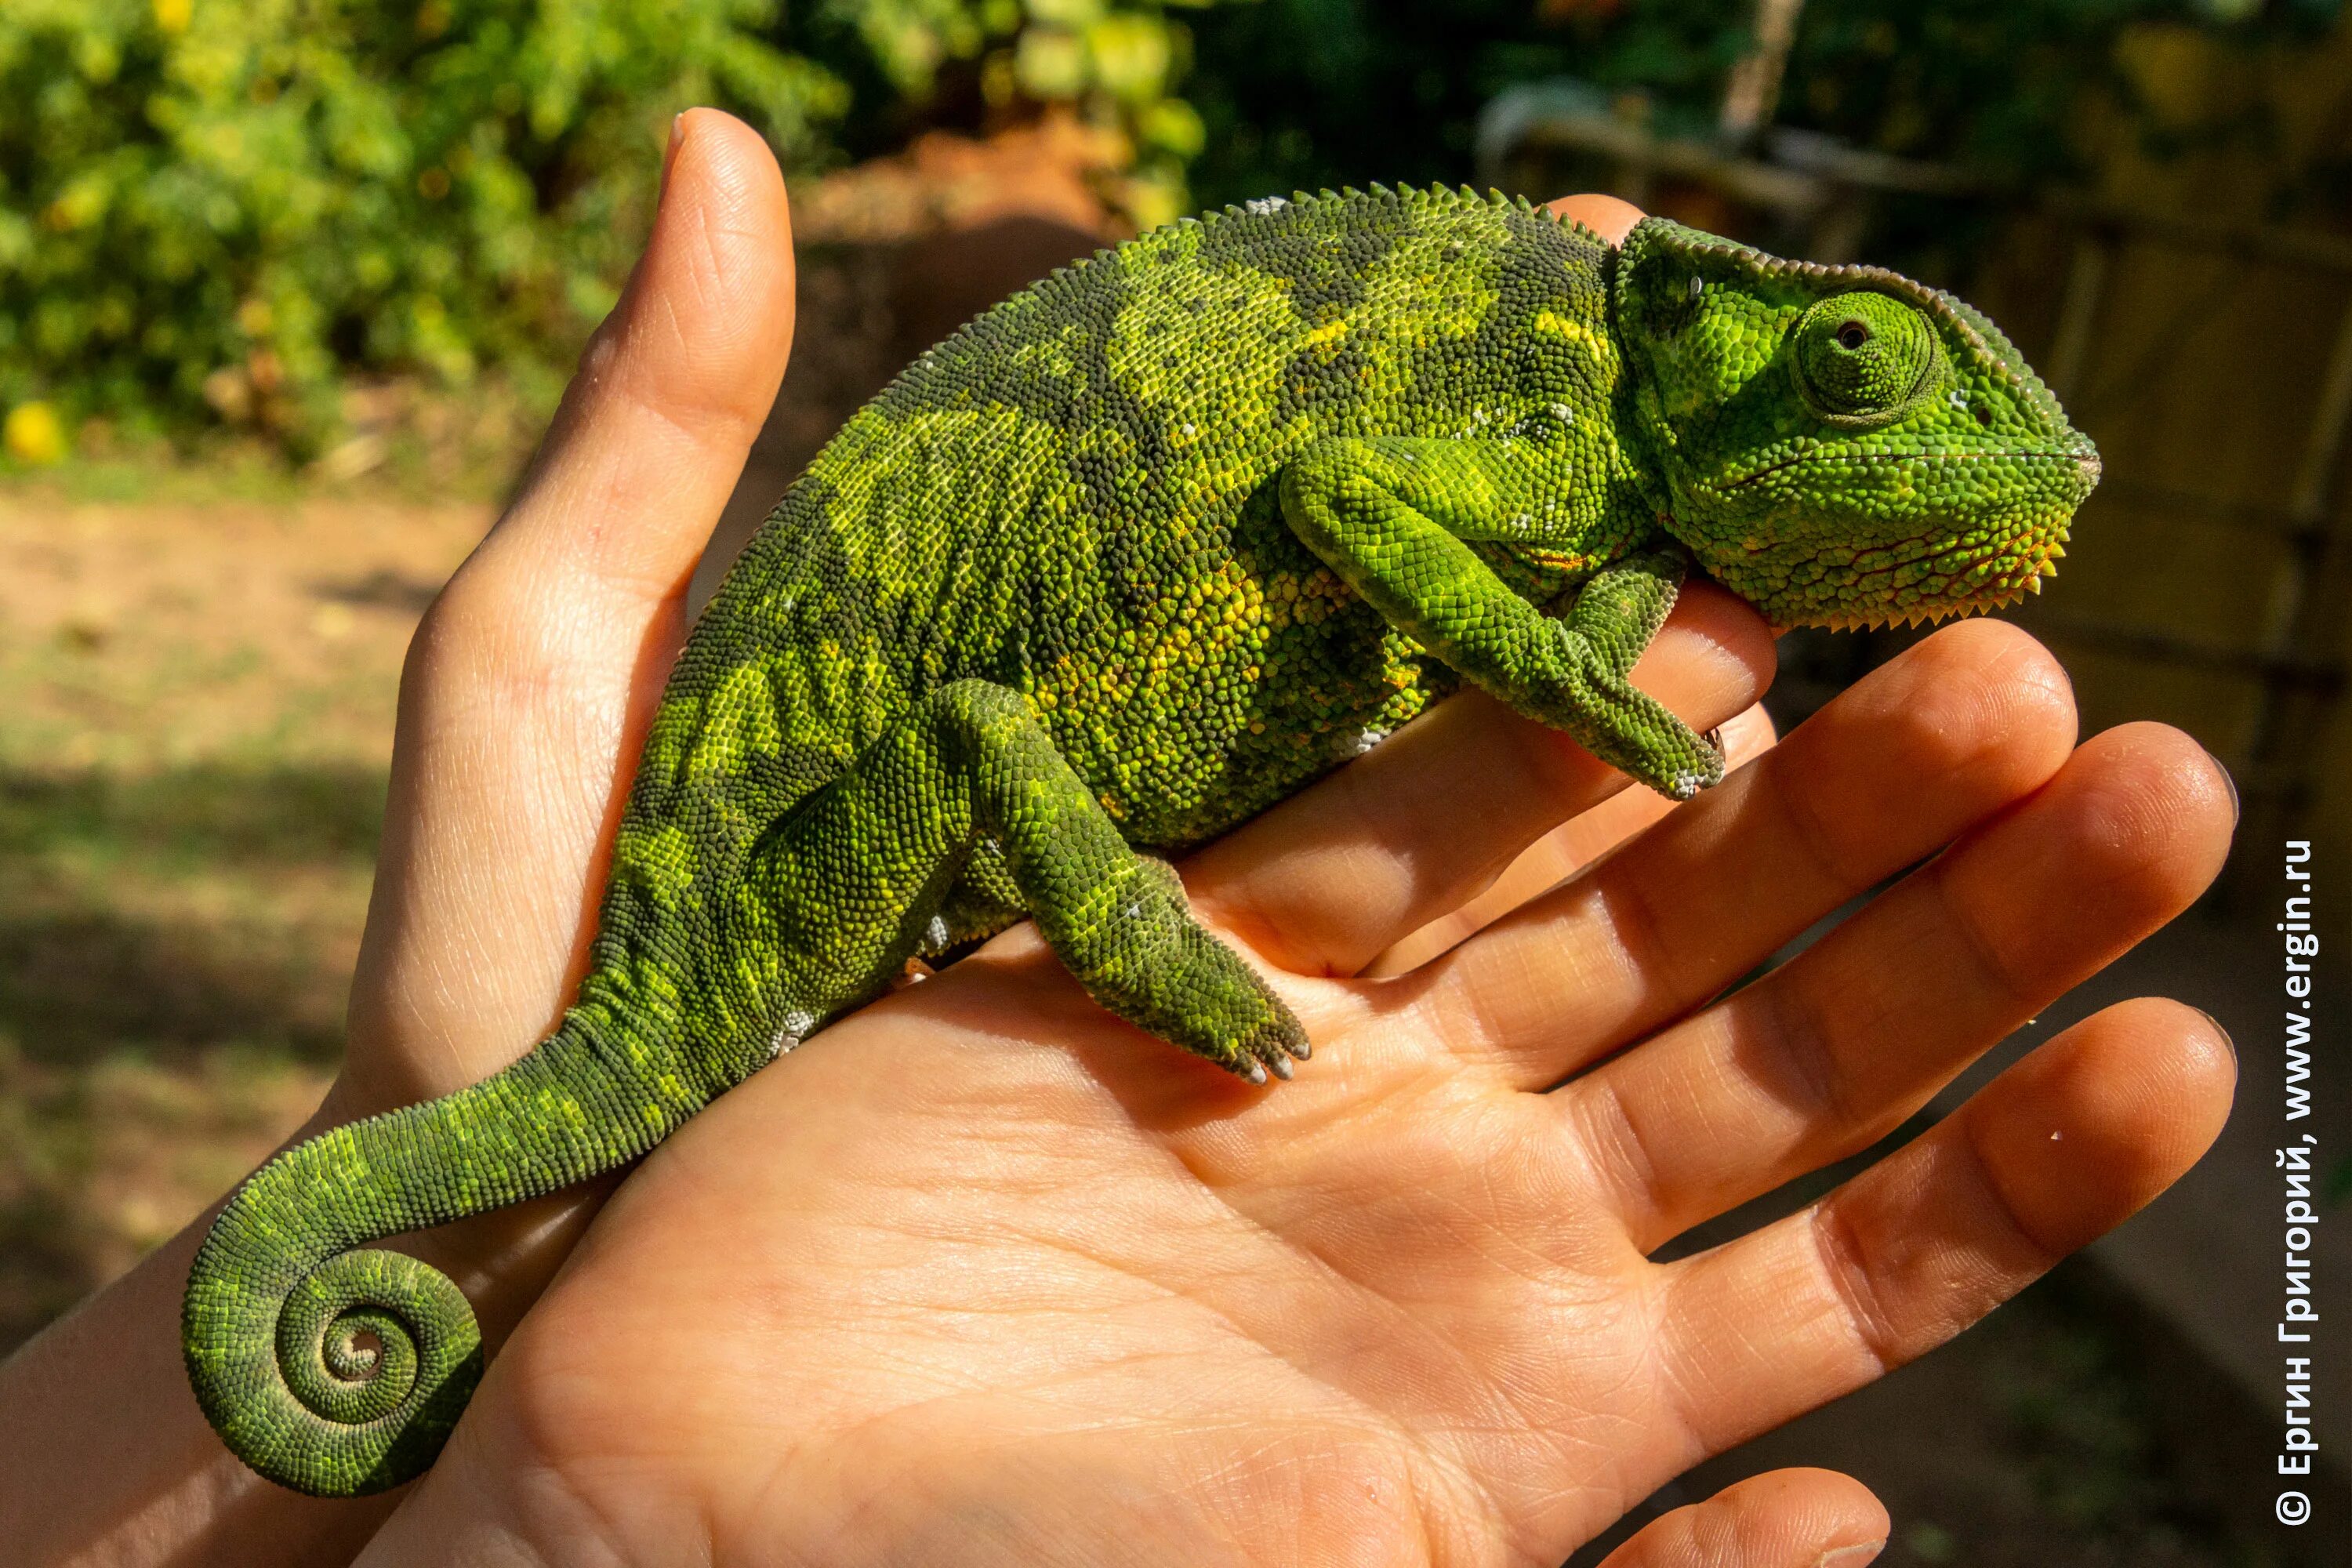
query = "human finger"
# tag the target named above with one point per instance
(1564, 851)
(1325, 881)
(1957, 728)
(1611, 217)
(1783, 1519)
(530, 679)
(2058, 1149)
(1832, 1051)
(674, 387)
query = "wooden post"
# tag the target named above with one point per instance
(1754, 90)
(2078, 310)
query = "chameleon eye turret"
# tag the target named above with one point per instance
(1841, 446)
(1138, 552)
(1862, 358)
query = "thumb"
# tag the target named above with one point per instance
(531, 681)
(674, 387)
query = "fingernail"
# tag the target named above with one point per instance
(2237, 808)
(676, 140)
(2219, 1030)
(1746, 732)
(1850, 1556)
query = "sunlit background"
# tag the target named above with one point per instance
(287, 288)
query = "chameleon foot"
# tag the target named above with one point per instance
(1184, 984)
(991, 791)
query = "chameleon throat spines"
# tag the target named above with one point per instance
(1123, 560)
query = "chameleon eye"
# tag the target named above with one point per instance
(1862, 355)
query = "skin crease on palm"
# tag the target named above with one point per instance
(982, 1275)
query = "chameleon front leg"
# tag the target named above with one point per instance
(837, 895)
(1390, 516)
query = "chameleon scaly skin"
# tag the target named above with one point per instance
(1129, 558)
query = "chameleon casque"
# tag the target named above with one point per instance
(1131, 556)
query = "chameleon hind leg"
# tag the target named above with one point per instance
(1390, 516)
(983, 901)
(840, 892)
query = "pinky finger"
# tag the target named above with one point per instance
(1783, 1519)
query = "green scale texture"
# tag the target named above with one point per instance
(1133, 555)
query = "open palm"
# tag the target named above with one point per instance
(982, 1275)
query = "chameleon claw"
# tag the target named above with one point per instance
(1280, 1067)
(1299, 1048)
(1253, 1070)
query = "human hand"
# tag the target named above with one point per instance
(532, 678)
(982, 1274)
(523, 707)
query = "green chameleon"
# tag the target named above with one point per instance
(1132, 556)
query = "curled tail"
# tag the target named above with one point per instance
(280, 1306)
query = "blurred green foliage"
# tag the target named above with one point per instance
(223, 209)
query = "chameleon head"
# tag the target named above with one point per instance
(1841, 446)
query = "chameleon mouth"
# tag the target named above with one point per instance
(1921, 580)
(1930, 614)
(2086, 464)
(1965, 587)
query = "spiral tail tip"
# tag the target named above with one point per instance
(345, 1384)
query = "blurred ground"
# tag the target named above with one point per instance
(195, 714)
(198, 668)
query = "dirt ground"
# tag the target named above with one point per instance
(198, 670)
(196, 715)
